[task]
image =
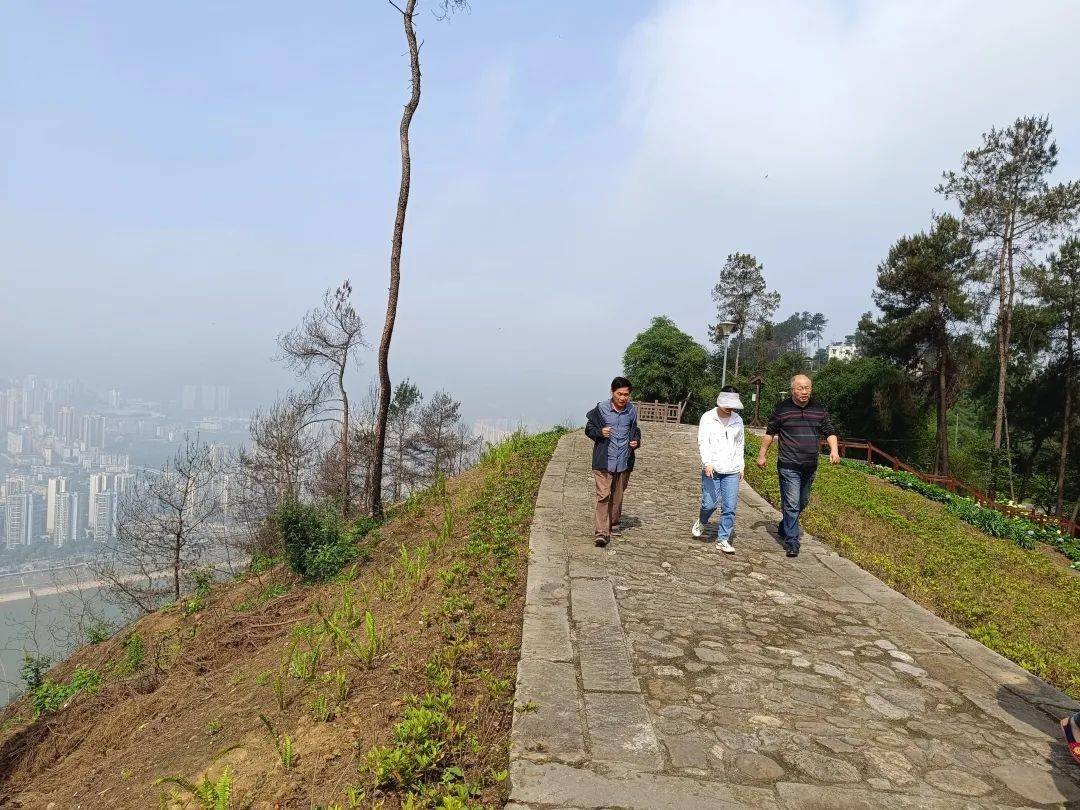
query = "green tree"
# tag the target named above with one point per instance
(666, 364)
(870, 398)
(924, 294)
(1057, 285)
(1010, 209)
(742, 297)
(404, 440)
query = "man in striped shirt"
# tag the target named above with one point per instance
(799, 424)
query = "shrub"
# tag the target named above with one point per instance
(98, 632)
(134, 653)
(421, 741)
(49, 696)
(33, 670)
(317, 545)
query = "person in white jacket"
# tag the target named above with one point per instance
(720, 442)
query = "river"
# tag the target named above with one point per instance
(47, 612)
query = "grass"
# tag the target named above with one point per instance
(1014, 600)
(451, 747)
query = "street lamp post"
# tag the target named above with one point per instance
(724, 329)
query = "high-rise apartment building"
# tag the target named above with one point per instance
(92, 434)
(123, 483)
(15, 442)
(55, 488)
(189, 397)
(99, 482)
(66, 424)
(19, 519)
(67, 518)
(13, 407)
(103, 508)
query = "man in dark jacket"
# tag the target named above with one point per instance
(613, 427)
(800, 423)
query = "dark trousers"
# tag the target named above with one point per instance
(795, 486)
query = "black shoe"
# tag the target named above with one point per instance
(793, 551)
(616, 528)
(601, 541)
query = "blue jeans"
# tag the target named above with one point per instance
(794, 496)
(723, 491)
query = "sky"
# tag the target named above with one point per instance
(180, 182)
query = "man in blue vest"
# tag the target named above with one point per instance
(613, 427)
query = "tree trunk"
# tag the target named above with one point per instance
(1003, 355)
(1036, 447)
(395, 262)
(1008, 458)
(738, 349)
(941, 464)
(176, 569)
(345, 472)
(1065, 423)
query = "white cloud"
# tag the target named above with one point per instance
(819, 95)
(852, 110)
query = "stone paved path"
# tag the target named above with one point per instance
(660, 673)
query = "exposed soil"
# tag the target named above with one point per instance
(192, 708)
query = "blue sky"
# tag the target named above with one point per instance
(181, 181)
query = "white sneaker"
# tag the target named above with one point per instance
(699, 528)
(724, 545)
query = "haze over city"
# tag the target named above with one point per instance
(181, 183)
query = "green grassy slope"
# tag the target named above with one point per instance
(1018, 602)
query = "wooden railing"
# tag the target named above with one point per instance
(875, 455)
(659, 411)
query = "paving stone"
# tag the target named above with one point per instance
(955, 781)
(892, 765)
(1041, 787)
(593, 601)
(557, 785)
(710, 656)
(605, 659)
(687, 750)
(883, 707)
(830, 770)
(555, 725)
(759, 768)
(620, 729)
(813, 797)
(656, 649)
(546, 634)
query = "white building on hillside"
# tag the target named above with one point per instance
(842, 351)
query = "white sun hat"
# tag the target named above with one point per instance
(729, 399)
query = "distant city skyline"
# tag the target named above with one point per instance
(67, 454)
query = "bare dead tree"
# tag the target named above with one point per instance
(166, 527)
(326, 340)
(408, 19)
(468, 448)
(276, 464)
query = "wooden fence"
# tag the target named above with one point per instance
(659, 411)
(875, 455)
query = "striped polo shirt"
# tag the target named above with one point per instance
(800, 431)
